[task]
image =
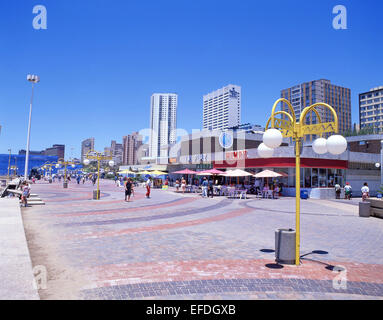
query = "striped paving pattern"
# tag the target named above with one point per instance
(175, 246)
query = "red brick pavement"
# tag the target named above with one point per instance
(121, 274)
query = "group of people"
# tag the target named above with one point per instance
(348, 191)
(129, 187)
(181, 184)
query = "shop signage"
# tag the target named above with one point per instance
(236, 155)
(226, 140)
(198, 158)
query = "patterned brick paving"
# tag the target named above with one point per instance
(176, 246)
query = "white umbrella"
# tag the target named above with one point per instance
(267, 174)
(237, 173)
(203, 174)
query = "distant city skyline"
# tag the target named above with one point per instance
(98, 72)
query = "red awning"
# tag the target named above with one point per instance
(284, 163)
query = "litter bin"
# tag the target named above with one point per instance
(95, 193)
(364, 209)
(285, 246)
(304, 194)
(50, 180)
(65, 185)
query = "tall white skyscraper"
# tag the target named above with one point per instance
(163, 123)
(222, 108)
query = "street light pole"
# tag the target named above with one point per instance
(9, 163)
(34, 79)
(289, 127)
(94, 155)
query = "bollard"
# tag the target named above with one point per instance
(65, 185)
(364, 209)
(285, 246)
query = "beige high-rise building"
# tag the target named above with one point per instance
(308, 93)
(86, 146)
(130, 145)
(117, 151)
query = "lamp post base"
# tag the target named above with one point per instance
(96, 194)
(65, 185)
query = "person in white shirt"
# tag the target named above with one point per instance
(365, 191)
(348, 191)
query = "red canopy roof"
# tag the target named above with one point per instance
(185, 171)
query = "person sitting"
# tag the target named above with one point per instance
(265, 190)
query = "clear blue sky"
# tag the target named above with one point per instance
(100, 61)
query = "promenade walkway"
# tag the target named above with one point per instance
(16, 274)
(175, 246)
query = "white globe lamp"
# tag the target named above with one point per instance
(86, 162)
(272, 138)
(264, 151)
(336, 144)
(377, 165)
(73, 165)
(320, 146)
(111, 163)
(57, 166)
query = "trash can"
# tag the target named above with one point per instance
(95, 193)
(364, 209)
(50, 180)
(285, 246)
(304, 194)
(65, 185)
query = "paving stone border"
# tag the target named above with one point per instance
(157, 289)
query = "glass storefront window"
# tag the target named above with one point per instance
(330, 178)
(307, 178)
(339, 177)
(314, 177)
(322, 178)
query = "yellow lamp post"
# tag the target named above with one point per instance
(14, 169)
(291, 128)
(95, 155)
(64, 163)
(48, 165)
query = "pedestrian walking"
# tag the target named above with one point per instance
(204, 187)
(128, 188)
(347, 191)
(25, 193)
(183, 185)
(210, 189)
(148, 186)
(177, 185)
(337, 191)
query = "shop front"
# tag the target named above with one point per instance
(318, 176)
